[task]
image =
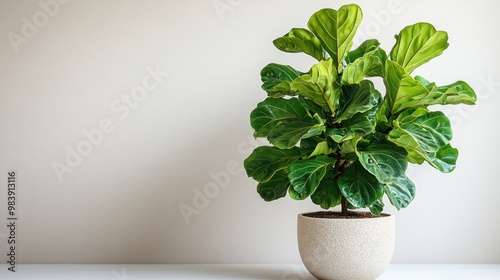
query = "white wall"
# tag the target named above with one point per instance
(120, 203)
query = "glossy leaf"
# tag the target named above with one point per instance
(368, 46)
(423, 137)
(360, 187)
(417, 44)
(359, 124)
(385, 160)
(275, 188)
(403, 91)
(432, 130)
(305, 175)
(300, 40)
(273, 111)
(366, 66)
(312, 108)
(322, 148)
(335, 30)
(357, 99)
(265, 161)
(327, 194)
(319, 85)
(287, 135)
(276, 79)
(316, 146)
(457, 93)
(400, 191)
(377, 207)
(445, 159)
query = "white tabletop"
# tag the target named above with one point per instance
(278, 272)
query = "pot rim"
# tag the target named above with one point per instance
(381, 216)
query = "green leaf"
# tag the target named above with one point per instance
(287, 135)
(327, 194)
(312, 108)
(457, 93)
(315, 146)
(445, 159)
(385, 160)
(359, 124)
(400, 191)
(335, 30)
(432, 130)
(275, 188)
(423, 137)
(368, 46)
(322, 148)
(276, 79)
(417, 44)
(300, 40)
(367, 66)
(357, 99)
(265, 161)
(359, 186)
(316, 129)
(319, 85)
(377, 207)
(305, 175)
(403, 91)
(274, 111)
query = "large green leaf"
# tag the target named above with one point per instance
(335, 30)
(369, 65)
(359, 186)
(445, 159)
(432, 130)
(300, 40)
(417, 44)
(319, 85)
(400, 191)
(276, 79)
(403, 91)
(368, 46)
(426, 137)
(265, 161)
(275, 188)
(327, 194)
(457, 93)
(274, 111)
(357, 99)
(385, 160)
(287, 135)
(305, 175)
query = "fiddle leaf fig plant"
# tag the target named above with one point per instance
(333, 136)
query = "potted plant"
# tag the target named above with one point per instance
(336, 139)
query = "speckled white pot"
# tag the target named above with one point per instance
(346, 249)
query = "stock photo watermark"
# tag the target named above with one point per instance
(484, 89)
(121, 107)
(32, 25)
(219, 181)
(12, 222)
(381, 19)
(223, 7)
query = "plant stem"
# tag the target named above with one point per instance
(343, 204)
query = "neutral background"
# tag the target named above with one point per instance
(189, 133)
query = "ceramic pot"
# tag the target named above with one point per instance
(346, 249)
